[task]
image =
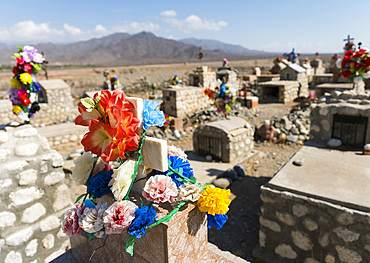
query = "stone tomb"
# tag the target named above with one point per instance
(203, 77)
(343, 115)
(228, 140)
(33, 197)
(56, 104)
(318, 212)
(323, 88)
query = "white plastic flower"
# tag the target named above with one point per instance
(188, 192)
(83, 167)
(366, 75)
(174, 151)
(121, 179)
(92, 219)
(339, 63)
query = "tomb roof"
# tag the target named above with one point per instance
(232, 123)
(335, 86)
(279, 83)
(297, 68)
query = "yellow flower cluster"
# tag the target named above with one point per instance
(214, 200)
(25, 78)
(15, 84)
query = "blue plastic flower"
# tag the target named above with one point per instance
(144, 216)
(151, 116)
(35, 87)
(98, 184)
(181, 166)
(223, 90)
(217, 220)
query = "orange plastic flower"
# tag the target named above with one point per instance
(85, 117)
(214, 200)
(210, 93)
(126, 133)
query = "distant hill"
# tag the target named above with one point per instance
(142, 48)
(208, 44)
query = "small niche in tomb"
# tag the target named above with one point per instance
(351, 130)
(271, 93)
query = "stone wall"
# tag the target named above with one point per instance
(345, 103)
(59, 107)
(182, 100)
(287, 90)
(33, 197)
(295, 228)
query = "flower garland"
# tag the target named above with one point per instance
(355, 65)
(223, 97)
(112, 135)
(24, 89)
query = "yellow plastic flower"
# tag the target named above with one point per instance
(16, 109)
(25, 78)
(15, 84)
(214, 200)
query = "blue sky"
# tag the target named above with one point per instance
(308, 26)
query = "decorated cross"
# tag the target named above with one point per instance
(348, 39)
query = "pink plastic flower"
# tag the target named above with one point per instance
(159, 189)
(118, 217)
(70, 223)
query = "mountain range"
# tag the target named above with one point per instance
(142, 48)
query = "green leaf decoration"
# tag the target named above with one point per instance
(97, 100)
(88, 103)
(130, 241)
(91, 236)
(20, 48)
(79, 198)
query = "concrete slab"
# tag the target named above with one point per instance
(61, 129)
(340, 177)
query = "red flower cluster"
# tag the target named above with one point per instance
(112, 126)
(355, 63)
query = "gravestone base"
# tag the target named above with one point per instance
(183, 239)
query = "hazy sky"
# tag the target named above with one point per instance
(279, 25)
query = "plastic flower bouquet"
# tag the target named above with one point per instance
(223, 98)
(106, 167)
(24, 89)
(355, 65)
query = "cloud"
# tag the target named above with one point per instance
(135, 27)
(169, 13)
(195, 23)
(29, 32)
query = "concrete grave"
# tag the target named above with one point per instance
(33, 197)
(227, 140)
(203, 77)
(317, 212)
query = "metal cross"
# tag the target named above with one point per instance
(349, 39)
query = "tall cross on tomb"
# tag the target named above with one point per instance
(154, 150)
(349, 45)
(348, 39)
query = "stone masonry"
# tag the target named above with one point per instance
(296, 228)
(33, 197)
(58, 108)
(178, 101)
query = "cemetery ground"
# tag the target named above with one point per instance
(240, 234)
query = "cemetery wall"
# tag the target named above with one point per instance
(182, 100)
(345, 103)
(33, 197)
(295, 228)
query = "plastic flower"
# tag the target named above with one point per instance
(178, 164)
(84, 165)
(92, 218)
(217, 220)
(121, 179)
(144, 216)
(151, 116)
(127, 138)
(97, 185)
(188, 192)
(118, 217)
(25, 78)
(84, 118)
(13, 96)
(70, 225)
(160, 189)
(15, 83)
(174, 151)
(214, 200)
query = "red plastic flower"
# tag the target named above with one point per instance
(85, 117)
(346, 74)
(27, 68)
(348, 53)
(19, 60)
(15, 70)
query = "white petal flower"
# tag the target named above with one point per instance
(339, 63)
(92, 218)
(83, 167)
(174, 151)
(189, 192)
(121, 179)
(366, 75)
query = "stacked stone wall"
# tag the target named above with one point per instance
(345, 103)
(184, 100)
(33, 197)
(295, 228)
